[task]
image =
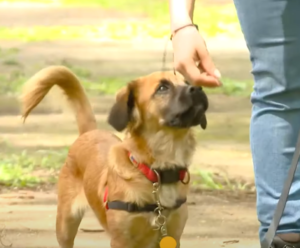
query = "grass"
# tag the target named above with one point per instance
(29, 169)
(41, 167)
(211, 181)
(213, 21)
(35, 168)
(233, 87)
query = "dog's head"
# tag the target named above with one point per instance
(159, 100)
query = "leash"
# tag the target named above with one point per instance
(268, 239)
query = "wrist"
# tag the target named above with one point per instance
(179, 14)
(177, 24)
(190, 25)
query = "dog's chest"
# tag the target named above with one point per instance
(168, 195)
(165, 148)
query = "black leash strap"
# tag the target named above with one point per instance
(267, 242)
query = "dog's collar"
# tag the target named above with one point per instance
(162, 176)
(133, 207)
(154, 176)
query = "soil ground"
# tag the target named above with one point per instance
(216, 219)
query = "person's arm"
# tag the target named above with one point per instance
(190, 5)
(181, 13)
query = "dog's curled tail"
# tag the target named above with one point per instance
(39, 85)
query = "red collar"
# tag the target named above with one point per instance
(152, 176)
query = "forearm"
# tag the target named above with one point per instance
(181, 12)
(190, 5)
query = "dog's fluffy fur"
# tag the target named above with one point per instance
(98, 159)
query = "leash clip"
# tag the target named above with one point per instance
(160, 220)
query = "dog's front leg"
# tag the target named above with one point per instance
(129, 230)
(177, 222)
(117, 243)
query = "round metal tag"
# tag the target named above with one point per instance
(168, 242)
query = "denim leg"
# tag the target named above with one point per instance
(272, 33)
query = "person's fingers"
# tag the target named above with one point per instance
(200, 67)
(185, 61)
(182, 65)
(206, 62)
(204, 79)
(218, 76)
(196, 77)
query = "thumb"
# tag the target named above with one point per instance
(206, 62)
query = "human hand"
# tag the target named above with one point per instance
(190, 48)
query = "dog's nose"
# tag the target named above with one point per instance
(192, 89)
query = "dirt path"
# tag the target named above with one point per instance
(30, 223)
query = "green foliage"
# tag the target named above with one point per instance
(233, 88)
(24, 169)
(209, 180)
(31, 169)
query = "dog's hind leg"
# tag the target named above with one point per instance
(71, 207)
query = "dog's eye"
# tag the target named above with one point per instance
(162, 88)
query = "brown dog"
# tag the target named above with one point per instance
(136, 185)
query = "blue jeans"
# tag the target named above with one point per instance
(272, 32)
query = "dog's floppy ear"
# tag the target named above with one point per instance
(203, 122)
(121, 112)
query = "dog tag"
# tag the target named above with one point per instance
(167, 242)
